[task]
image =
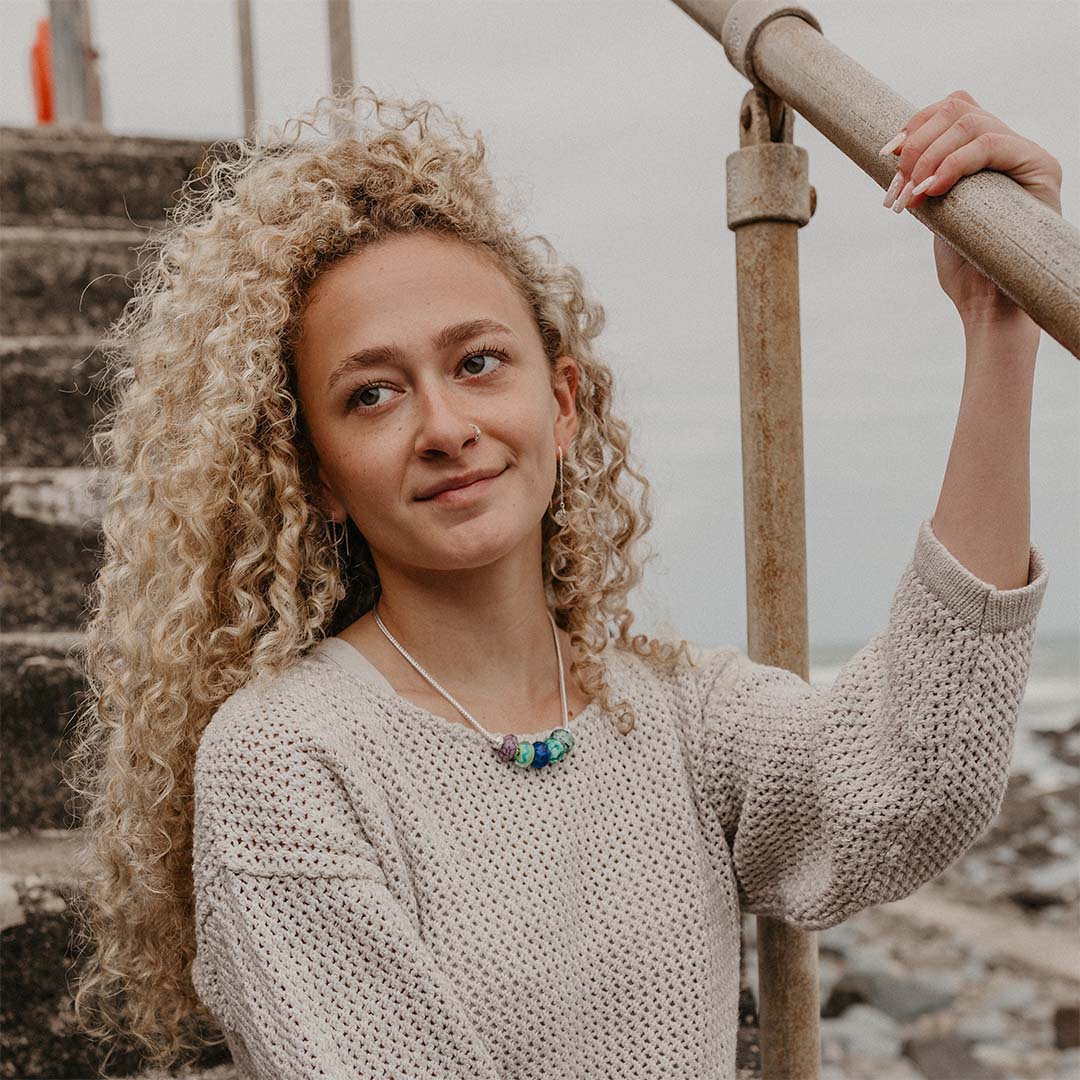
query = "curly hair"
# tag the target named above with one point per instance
(217, 564)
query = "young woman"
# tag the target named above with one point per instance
(382, 784)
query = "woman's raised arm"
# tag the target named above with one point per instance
(838, 798)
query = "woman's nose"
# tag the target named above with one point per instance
(443, 425)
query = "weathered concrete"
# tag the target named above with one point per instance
(50, 387)
(53, 176)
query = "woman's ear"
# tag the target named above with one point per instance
(567, 375)
(332, 508)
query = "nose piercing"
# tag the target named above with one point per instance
(477, 435)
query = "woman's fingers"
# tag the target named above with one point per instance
(948, 140)
(974, 141)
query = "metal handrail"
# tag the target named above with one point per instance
(1027, 249)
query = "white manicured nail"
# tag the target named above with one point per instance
(923, 186)
(903, 200)
(894, 187)
(893, 143)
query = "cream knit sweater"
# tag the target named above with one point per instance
(377, 895)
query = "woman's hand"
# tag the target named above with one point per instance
(950, 139)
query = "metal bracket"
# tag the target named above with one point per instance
(768, 177)
(743, 24)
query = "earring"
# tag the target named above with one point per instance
(560, 514)
(337, 539)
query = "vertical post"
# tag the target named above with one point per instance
(74, 64)
(339, 27)
(769, 199)
(247, 68)
(341, 59)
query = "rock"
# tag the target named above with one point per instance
(1033, 899)
(1067, 1027)
(1068, 1065)
(863, 1030)
(1058, 876)
(1008, 1056)
(948, 1058)
(902, 998)
(11, 909)
(983, 1027)
(1016, 996)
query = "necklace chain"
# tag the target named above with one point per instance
(493, 739)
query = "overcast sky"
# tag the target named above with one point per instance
(609, 123)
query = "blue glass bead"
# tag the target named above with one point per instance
(524, 755)
(556, 750)
(541, 754)
(564, 736)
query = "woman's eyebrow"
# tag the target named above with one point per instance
(374, 355)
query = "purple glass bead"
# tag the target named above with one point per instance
(508, 750)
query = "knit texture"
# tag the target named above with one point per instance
(377, 895)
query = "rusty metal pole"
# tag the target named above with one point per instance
(246, 41)
(339, 26)
(75, 74)
(768, 199)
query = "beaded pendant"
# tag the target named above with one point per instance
(537, 754)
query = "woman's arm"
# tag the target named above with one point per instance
(983, 513)
(833, 799)
(305, 953)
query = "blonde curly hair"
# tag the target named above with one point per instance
(217, 564)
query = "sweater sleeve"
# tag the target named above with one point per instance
(833, 799)
(304, 954)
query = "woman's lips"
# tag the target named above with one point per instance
(461, 495)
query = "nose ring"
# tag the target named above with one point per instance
(477, 435)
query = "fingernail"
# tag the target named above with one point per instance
(893, 143)
(903, 200)
(923, 186)
(894, 187)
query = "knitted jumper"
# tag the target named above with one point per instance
(377, 895)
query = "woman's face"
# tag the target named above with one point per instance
(395, 419)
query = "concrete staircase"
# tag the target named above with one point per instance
(74, 207)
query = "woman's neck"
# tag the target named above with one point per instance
(489, 643)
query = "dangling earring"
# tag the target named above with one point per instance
(560, 514)
(337, 539)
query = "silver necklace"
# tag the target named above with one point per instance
(507, 747)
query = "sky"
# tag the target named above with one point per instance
(608, 126)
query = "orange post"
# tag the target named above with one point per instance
(41, 74)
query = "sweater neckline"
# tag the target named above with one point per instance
(350, 660)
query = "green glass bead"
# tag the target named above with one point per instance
(564, 736)
(556, 748)
(525, 754)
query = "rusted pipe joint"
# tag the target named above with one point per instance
(768, 182)
(744, 22)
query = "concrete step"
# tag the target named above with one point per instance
(39, 683)
(65, 280)
(49, 386)
(39, 881)
(60, 177)
(50, 546)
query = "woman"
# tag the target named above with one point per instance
(377, 787)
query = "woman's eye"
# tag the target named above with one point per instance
(359, 398)
(479, 356)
